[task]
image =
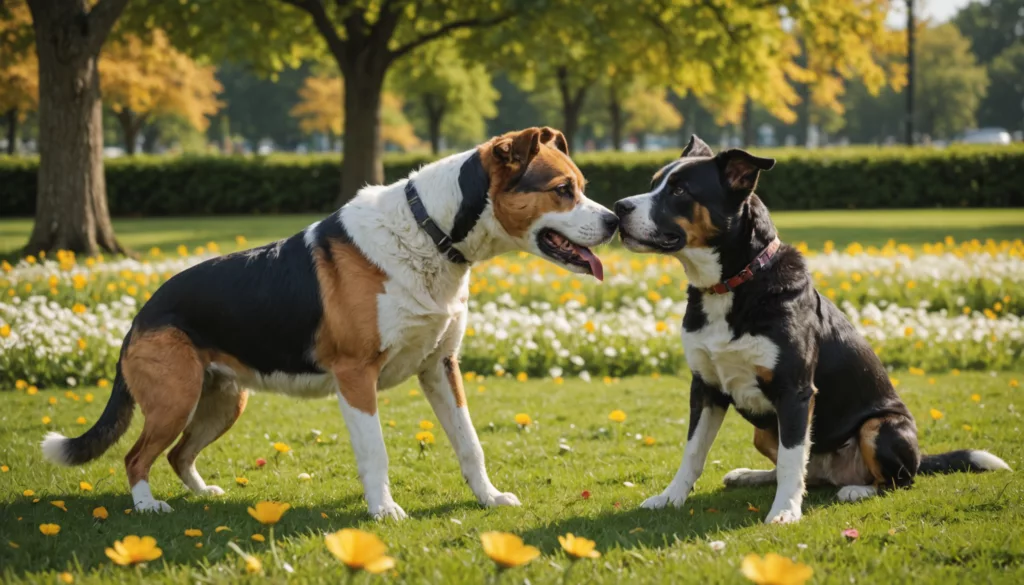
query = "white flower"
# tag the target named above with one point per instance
(717, 545)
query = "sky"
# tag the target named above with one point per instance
(936, 10)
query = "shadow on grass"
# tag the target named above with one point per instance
(81, 542)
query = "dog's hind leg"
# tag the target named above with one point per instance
(766, 441)
(165, 376)
(220, 405)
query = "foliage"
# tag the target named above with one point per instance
(19, 68)
(1004, 104)
(950, 84)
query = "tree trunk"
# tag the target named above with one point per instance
(748, 124)
(909, 139)
(150, 137)
(572, 105)
(12, 131)
(129, 130)
(435, 115)
(362, 160)
(71, 197)
(615, 114)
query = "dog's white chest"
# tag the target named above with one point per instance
(730, 364)
(414, 332)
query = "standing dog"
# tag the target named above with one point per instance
(373, 294)
(767, 343)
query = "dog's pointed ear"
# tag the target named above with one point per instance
(696, 147)
(518, 148)
(554, 138)
(740, 169)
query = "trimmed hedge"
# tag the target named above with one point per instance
(848, 178)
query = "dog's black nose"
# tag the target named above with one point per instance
(611, 221)
(623, 207)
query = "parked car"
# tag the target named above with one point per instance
(986, 136)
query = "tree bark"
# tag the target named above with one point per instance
(150, 137)
(71, 199)
(909, 138)
(572, 105)
(363, 150)
(435, 116)
(12, 131)
(615, 114)
(130, 126)
(748, 124)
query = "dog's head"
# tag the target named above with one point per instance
(536, 194)
(691, 201)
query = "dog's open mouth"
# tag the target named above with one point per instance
(564, 250)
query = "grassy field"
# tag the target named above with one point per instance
(949, 529)
(908, 226)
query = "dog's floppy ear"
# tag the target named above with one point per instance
(740, 169)
(554, 138)
(517, 149)
(696, 147)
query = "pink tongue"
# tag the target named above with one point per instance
(596, 268)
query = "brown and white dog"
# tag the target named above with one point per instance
(359, 302)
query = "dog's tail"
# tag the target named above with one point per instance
(108, 429)
(965, 460)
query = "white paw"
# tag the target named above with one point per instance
(501, 499)
(852, 493)
(663, 500)
(748, 477)
(157, 506)
(785, 516)
(211, 490)
(387, 510)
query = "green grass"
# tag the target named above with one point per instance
(948, 529)
(910, 226)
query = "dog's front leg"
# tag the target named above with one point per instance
(442, 383)
(357, 395)
(706, 418)
(794, 412)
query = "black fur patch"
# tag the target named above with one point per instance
(474, 184)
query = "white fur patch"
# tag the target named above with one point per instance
(695, 455)
(54, 447)
(853, 493)
(744, 477)
(988, 461)
(309, 234)
(144, 500)
(371, 459)
(299, 385)
(789, 497)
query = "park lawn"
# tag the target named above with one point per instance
(869, 227)
(948, 529)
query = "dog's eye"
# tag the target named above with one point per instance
(564, 190)
(679, 191)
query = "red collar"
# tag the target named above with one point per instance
(747, 273)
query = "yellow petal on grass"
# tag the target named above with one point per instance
(66, 577)
(359, 550)
(59, 504)
(425, 437)
(253, 565)
(269, 512)
(523, 419)
(85, 486)
(507, 550)
(28, 493)
(49, 529)
(774, 569)
(936, 414)
(100, 513)
(242, 481)
(426, 425)
(221, 529)
(193, 533)
(281, 447)
(133, 549)
(259, 538)
(579, 547)
(617, 416)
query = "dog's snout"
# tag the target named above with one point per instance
(623, 207)
(611, 222)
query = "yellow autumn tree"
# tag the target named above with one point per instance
(19, 71)
(320, 110)
(143, 77)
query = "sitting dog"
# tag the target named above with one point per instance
(759, 337)
(359, 302)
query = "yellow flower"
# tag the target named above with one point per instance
(281, 447)
(955, 372)
(31, 390)
(967, 428)
(507, 550)
(78, 308)
(578, 547)
(649, 441)
(193, 533)
(253, 565)
(894, 381)
(49, 529)
(21, 384)
(89, 396)
(240, 240)
(589, 326)
(523, 419)
(85, 486)
(936, 414)
(660, 327)
(269, 512)
(28, 493)
(59, 504)
(1014, 383)
(976, 397)
(4, 468)
(5, 331)
(82, 343)
(103, 383)
(359, 550)
(414, 392)
(426, 425)
(52, 400)
(559, 381)
(80, 420)
(100, 513)
(66, 577)
(774, 569)
(617, 416)
(221, 529)
(134, 550)
(521, 376)
(258, 537)
(426, 437)
(242, 481)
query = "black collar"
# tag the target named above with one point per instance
(474, 185)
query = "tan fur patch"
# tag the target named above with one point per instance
(348, 340)
(164, 374)
(868, 436)
(454, 374)
(698, 229)
(515, 208)
(767, 443)
(764, 374)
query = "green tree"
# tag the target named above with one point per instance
(447, 95)
(1004, 104)
(950, 82)
(992, 26)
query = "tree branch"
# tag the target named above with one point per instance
(101, 19)
(323, 24)
(447, 28)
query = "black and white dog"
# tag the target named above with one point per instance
(766, 342)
